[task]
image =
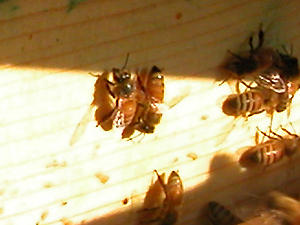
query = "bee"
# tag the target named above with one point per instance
(249, 64)
(288, 65)
(103, 102)
(155, 85)
(220, 215)
(173, 190)
(115, 101)
(105, 107)
(284, 89)
(153, 202)
(147, 114)
(285, 98)
(124, 90)
(287, 208)
(250, 102)
(270, 151)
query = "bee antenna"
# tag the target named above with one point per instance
(94, 75)
(126, 61)
(292, 50)
(284, 49)
(235, 55)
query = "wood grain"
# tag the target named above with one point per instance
(46, 56)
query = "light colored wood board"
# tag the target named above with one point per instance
(46, 55)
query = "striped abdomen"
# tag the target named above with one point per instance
(219, 215)
(155, 85)
(264, 154)
(249, 102)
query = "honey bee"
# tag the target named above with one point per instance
(287, 208)
(249, 64)
(250, 102)
(147, 114)
(284, 89)
(105, 107)
(285, 98)
(270, 151)
(220, 215)
(153, 202)
(155, 85)
(288, 66)
(116, 101)
(124, 90)
(173, 190)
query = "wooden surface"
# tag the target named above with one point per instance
(47, 51)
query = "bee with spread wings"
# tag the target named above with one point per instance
(116, 101)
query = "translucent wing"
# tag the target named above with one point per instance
(82, 125)
(272, 80)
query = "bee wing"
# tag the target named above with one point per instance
(225, 132)
(272, 80)
(82, 125)
(182, 94)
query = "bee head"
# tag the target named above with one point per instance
(121, 76)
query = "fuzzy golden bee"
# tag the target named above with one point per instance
(147, 115)
(166, 211)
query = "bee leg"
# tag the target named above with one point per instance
(267, 135)
(289, 133)
(258, 112)
(226, 79)
(108, 88)
(246, 85)
(257, 136)
(235, 55)
(271, 123)
(237, 87)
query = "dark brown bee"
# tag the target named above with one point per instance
(287, 208)
(250, 102)
(288, 66)
(220, 215)
(168, 212)
(249, 64)
(271, 151)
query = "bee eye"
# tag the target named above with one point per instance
(126, 76)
